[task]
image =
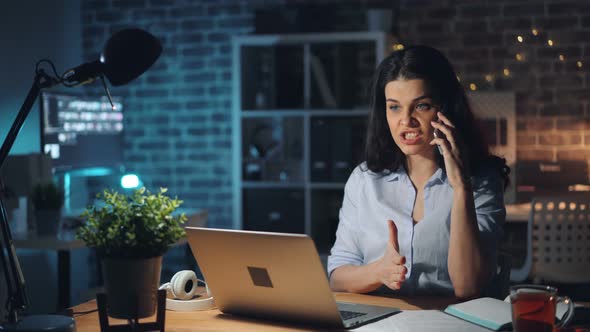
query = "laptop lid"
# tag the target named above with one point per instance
(267, 275)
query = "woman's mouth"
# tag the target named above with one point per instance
(411, 137)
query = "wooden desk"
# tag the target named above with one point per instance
(214, 320)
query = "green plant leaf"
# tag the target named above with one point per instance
(138, 225)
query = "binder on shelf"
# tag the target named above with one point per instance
(285, 213)
(320, 150)
(341, 150)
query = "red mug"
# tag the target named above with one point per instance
(534, 308)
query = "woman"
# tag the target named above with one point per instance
(414, 219)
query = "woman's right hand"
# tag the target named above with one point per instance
(390, 267)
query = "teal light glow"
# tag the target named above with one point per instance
(129, 181)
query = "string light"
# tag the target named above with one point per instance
(520, 56)
(397, 47)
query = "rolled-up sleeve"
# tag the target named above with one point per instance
(488, 195)
(346, 250)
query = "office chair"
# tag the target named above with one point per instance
(558, 240)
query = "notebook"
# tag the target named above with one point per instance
(273, 276)
(486, 311)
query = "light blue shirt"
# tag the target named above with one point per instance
(371, 199)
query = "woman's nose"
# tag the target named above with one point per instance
(407, 119)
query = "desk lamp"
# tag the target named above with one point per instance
(126, 55)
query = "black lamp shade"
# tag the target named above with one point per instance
(127, 54)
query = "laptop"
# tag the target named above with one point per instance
(274, 276)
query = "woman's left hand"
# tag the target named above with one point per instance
(452, 148)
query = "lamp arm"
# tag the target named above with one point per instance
(17, 298)
(42, 80)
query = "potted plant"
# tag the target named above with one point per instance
(130, 234)
(47, 200)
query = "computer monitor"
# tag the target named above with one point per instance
(81, 132)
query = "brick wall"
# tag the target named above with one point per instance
(178, 114)
(178, 117)
(480, 38)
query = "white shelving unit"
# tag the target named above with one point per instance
(286, 90)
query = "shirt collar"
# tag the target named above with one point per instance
(395, 175)
(440, 176)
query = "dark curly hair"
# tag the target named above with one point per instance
(430, 65)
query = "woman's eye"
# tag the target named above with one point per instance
(423, 107)
(393, 107)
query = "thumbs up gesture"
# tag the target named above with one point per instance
(390, 267)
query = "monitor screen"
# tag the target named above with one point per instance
(82, 131)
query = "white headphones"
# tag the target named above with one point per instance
(181, 290)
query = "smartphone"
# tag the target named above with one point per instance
(438, 133)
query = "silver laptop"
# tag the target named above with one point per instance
(273, 276)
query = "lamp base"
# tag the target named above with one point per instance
(45, 323)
